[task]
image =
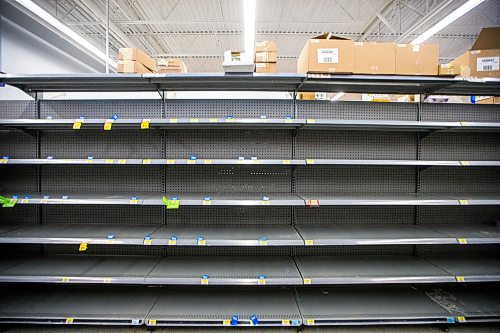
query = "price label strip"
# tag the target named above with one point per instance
(145, 124)
(462, 241)
(461, 319)
(310, 161)
(69, 320)
(172, 240)
(77, 124)
(204, 280)
(83, 247)
(4, 160)
(147, 240)
(261, 281)
(152, 322)
(307, 281)
(200, 241)
(460, 278)
(313, 203)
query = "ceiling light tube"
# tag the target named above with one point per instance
(249, 7)
(54, 22)
(450, 18)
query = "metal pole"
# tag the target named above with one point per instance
(107, 36)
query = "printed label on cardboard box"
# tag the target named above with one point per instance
(487, 64)
(328, 56)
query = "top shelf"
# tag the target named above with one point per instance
(253, 82)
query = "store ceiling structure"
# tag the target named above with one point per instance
(199, 31)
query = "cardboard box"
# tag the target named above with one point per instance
(135, 54)
(327, 54)
(449, 70)
(265, 67)
(129, 66)
(307, 96)
(490, 100)
(171, 66)
(421, 59)
(461, 64)
(266, 46)
(266, 56)
(238, 62)
(374, 58)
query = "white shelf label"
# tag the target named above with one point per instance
(328, 56)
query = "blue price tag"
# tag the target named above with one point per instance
(90, 157)
(175, 198)
(173, 238)
(234, 320)
(50, 157)
(288, 117)
(295, 322)
(27, 197)
(229, 117)
(2, 84)
(450, 320)
(263, 116)
(15, 197)
(5, 157)
(193, 157)
(110, 236)
(147, 237)
(65, 197)
(254, 320)
(114, 117)
(46, 196)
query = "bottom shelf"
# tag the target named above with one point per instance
(271, 306)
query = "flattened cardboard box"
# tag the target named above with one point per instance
(171, 66)
(374, 58)
(265, 67)
(135, 54)
(421, 59)
(327, 54)
(266, 56)
(266, 46)
(128, 66)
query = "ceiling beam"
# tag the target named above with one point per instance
(375, 20)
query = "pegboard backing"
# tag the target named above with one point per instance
(354, 250)
(102, 144)
(96, 214)
(17, 144)
(460, 146)
(18, 179)
(230, 251)
(460, 112)
(101, 108)
(240, 108)
(458, 214)
(97, 249)
(460, 180)
(356, 110)
(356, 145)
(19, 250)
(456, 250)
(231, 143)
(220, 179)
(354, 179)
(133, 179)
(18, 109)
(355, 215)
(271, 215)
(19, 214)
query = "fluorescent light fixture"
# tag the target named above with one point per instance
(337, 96)
(249, 7)
(54, 22)
(453, 16)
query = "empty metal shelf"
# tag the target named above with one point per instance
(369, 270)
(229, 199)
(225, 307)
(367, 234)
(231, 234)
(14, 161)
(225, 271)
(78, 198)
(469, 268)
(471, 233)
(77, 305)
(81, 269)
(368, 306)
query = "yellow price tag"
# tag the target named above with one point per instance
(204, 281)
(309, 242)
(148, 242)
(202, 242)
(191, 161)
(285, 322)
(464, 123)
(4, 161)
(287, 120)
(146, 161)
(287, 162)
(106, 280)
(173, 120)
(461, 319)
(464, 163)
(134, 201)
(170, 161)
(122, 161)
(145, 123)
(265, 202)
(226, 322)
(194, 120)
(109, 161)
(229, 120)
(83, 247)
(108, 125)
(460, 278)
(310, 161)
(261, 282)
(310, 321)
(152, 322)
(44, 200)
(172, 242)
(207, 161)
(263, 242)
(212, 120)
(463, 202)
(307, 281)
(25, 201)
(69, 320)
(77, 125)
(311, 121)
(65, 279)
(207, 202)
(110, 241)
(462, 241)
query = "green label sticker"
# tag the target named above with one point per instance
(171, 203)
(7, 202)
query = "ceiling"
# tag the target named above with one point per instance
(199, 31)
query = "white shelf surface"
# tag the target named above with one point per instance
(469, 268)
(470, 233)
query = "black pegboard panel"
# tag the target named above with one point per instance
(458, 214)
(460, 146)
(460, 112)
(18, 109)
(133, 179)
(354, 179)
(105, 249)
(233, 143)
(271, 215)
(200, 108)
(364, 250)
(19, 250)
(17, 144)
(101, 108)
(18, 179)
(230, 251)
(19, 214)
(220, 179)
(119, 144)
(97, 214)
(356, 145)
(355, 215)
(460, 180)
(356, 110)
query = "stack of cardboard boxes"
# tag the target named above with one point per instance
(133, 60)
(171, 66)
(266, 55)
(329, 54)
